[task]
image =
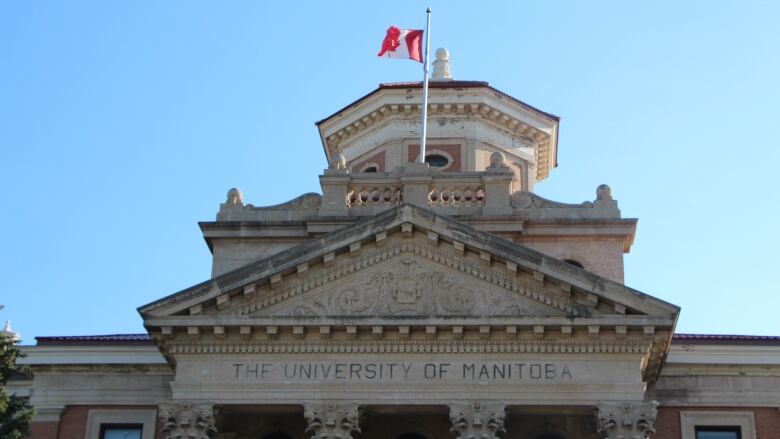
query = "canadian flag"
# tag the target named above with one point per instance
(403, 44)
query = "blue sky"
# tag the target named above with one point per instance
(122, 124)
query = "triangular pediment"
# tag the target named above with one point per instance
(401, 283)
(403, 250)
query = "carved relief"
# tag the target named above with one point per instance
(478, 420)
(191, 421)
(529, 200)
(331, 420)
(411, 289)
(438, 280)
(627, 420)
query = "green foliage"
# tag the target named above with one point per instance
(15, 413)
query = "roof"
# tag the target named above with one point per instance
(440, 84)
(145, 338)
(726, 339)
(94, 339)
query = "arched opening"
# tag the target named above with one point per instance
(436, 160)
(575, 263)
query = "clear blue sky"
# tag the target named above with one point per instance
(122, 124)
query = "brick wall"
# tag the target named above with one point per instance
(667, 425)
(73, 423)
(452, 150)
(379, 159)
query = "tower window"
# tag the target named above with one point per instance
(436, 160)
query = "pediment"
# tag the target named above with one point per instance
(403, 285)
(397, 252)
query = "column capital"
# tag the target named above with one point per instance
(331, 420)
(478, 420)
(627, 420)
(186, 420)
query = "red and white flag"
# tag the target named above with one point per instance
(403, 44)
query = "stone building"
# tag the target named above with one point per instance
(413, 301)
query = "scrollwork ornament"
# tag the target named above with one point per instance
(328, 420)
(190, 421)
(627, 420)
(478, 420)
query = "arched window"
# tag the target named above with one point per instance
(573, 262)
(436, 160)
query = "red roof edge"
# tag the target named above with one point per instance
(770, 340)
(109, 339)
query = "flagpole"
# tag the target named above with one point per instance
(424, 129)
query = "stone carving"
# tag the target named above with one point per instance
(441, 67)
(235, 197)
(497, 160)
(188, 421)
(478, 420)
(413, 289)
(529, 200)
(338, 163)
(627, 420)
(603, 192)
(307, 201)
(330, 420)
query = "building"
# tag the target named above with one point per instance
(413, 301)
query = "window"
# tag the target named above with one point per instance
(573, 262)
(370, 169)
(721, 424)
(436, 160)
(121, 431)
(715, 432)
(121, 423)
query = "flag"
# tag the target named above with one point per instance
(403, 44)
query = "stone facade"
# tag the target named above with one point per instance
(412, 301)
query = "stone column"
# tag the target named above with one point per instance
(627, 420)
(188, 421)
(478, 420)
(329, 420)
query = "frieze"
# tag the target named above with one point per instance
(519, 283)
(412, 290)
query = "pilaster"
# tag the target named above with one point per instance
(478, 420)
(190, 421)
(627, 420)
(329, 420)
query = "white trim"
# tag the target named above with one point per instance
(39, 355)
(145, 417)
(690, 420)
(723, 354)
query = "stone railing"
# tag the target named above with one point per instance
(488, 192)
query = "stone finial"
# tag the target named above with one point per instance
(478, 420)
(8, 333)
(338, 163)
(603, 192)
(235, 197)
(330, 420)
(627, 420)
(194, 421)
(497, 160)
(441, 67)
